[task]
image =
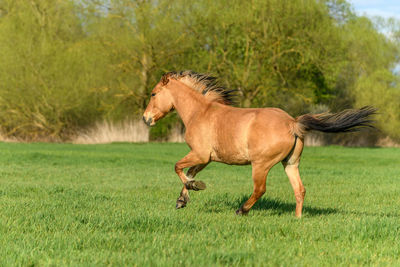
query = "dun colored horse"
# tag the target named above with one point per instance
(216, 131)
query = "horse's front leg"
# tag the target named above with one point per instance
(191, 173)
(196, 164)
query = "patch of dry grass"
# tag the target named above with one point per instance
(109, 132)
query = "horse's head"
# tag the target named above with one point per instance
(161, 103)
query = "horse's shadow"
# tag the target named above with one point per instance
(267, 203)
(278, 206)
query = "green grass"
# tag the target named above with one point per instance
(64, 204)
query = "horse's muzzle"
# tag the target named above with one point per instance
(148, 121)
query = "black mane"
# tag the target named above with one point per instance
(205, 84)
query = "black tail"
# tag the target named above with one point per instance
(350, 120)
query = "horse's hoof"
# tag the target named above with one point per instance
(195, 185)
(199, 185)
(240, 212)
(180, 204)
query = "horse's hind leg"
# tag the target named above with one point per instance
(259, 174)
(291, 166)
(292, 172)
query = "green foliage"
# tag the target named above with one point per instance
(83, 205)
(378, 89)
(66, 64)
(46, 72)
(163, 128)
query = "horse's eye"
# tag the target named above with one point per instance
(153, 94)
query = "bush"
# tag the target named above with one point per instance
(65, 65)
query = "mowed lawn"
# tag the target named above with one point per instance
(64, 204)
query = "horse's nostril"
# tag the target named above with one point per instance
(148, 121)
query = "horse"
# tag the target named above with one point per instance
(217, 131)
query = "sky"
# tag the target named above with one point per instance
(383, 8)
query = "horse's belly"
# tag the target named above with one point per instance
(234, 157)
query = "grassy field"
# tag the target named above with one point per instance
(63, 204)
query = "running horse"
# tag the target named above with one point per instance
(217, 131)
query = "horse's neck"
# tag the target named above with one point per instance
(187, 102)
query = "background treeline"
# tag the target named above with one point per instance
(67, 64)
